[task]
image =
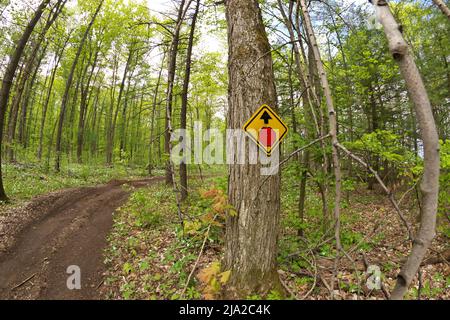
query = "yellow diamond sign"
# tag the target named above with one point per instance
(266, 129)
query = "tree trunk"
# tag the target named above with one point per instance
(184, 100)
(173, 52)
(332, 119)
(68, 86)
(47, 100)
(21, 99)
(9, 77)
(152, 128)
(113, 123)
(123, 129)
(430, 182)
(29, 92)
(251, 235)
(302, 195)
(441, 5)
(83, 108)
(27, 71)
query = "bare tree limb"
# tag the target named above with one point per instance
(424, 114)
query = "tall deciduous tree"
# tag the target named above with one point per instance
(184, 99)
(251, 235)
(27, 72)
(65, 97)
(10, 73)
(173, 54)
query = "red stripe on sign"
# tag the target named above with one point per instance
(267, 137)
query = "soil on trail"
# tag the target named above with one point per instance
(71, 231)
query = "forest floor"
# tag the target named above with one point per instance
(129, 244)
(149, 256)
(40, 240)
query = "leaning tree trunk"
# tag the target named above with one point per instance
(9, 77)
(68, 86)
(430, 181)
(441, 5)
(251, 235)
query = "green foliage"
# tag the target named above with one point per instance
(350, 238)
(444, 180)
(275, 295)
(428, 291)
(24, 181)
(388, 147)
(145, 209)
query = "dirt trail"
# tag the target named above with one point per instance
(68, 232)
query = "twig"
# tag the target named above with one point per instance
(274, 170)
(24, 281)
(315, 276)
(408, 191)
(101, 283)
(286, 287)
(198, 257)
(325, 283)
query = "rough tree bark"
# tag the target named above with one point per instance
(184, 99)
(9, 77)
(69, 85)
(251, 235)
(430, 182)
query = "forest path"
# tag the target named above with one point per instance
(70, 231)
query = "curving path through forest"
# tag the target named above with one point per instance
(70, 231)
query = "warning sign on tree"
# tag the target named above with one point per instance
(266, 129)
